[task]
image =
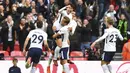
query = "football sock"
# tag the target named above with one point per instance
(66, 68)
(50, 59)
(110, 68)
(33, 70)
(105, 68)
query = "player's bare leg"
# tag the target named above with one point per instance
(57, 50)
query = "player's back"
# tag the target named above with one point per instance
(37, 37)
(110, 40)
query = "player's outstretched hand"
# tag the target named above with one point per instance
(92, 45)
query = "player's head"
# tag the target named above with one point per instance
(110, 22)
(69, 8)
(65, 21)
(39, 24)
(15, 61)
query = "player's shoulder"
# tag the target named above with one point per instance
(115, 29)
(31, 31)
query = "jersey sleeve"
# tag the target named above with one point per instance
(103, 37)
(30, 34)
(120, 36)
(54, 24)
(61, 31)
(73, 25)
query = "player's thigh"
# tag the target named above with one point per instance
(30, 54)
(59, 42)
(107, 57)
(57, 53)
(37, 55)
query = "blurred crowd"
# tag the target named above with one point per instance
(19, 17)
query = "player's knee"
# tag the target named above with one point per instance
(108, 63)
(34, 65)
(103, 62)
(64, 62)
(61, 63)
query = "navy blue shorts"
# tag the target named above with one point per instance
(108, 56)
(64, 53)
(35, 54)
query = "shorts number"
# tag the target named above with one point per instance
(40, 38)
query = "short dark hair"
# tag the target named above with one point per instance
(15, 59)
(39, 24)
(110, 21)
(67, 20)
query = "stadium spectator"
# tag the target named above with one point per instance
(3, 14)
(43, 20)
(7, 5)
(34, 6)
(127, 15)
(53, 10)
(21, 33)
(15, 15)
(122, 26)
(85, 31)
(42, 8)
(79, 8)
(101, 4)
(8, 34)
(14, 68)
(27, 7)
(111, 13)
(30, 22)
(94, 27)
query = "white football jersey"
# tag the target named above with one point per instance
(37, 37)
(57, 25)
(65, 32)
(110, 36)
(73, 25)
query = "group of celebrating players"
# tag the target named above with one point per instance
(64, 26)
